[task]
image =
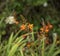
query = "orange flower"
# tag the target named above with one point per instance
(47, 30)
(22, 27)
(30, 26)
(46, 27)
(50, 25)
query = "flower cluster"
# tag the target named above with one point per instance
(46, 28)
(29, 26)
(22, 27)
(11, 20)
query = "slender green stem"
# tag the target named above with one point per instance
(43, 47)
(21, 53)
(32, 35)
(0, 38)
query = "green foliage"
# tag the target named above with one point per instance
(35, 2)
(19, 6)
(2, 26)
(17, 46)
(35, 13)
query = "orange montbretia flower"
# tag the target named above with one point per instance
(50, 25)
(22, 27)
(30, 26)
(46, 28)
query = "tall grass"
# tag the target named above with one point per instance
(17, 47)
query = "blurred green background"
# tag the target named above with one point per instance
(33, 11)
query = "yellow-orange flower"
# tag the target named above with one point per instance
(30, 26)
(46, 27)
(50, 25)
(22, 27)
(47, 30)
